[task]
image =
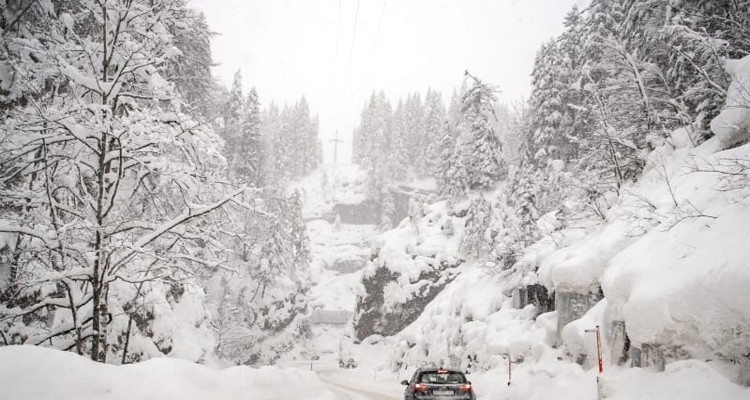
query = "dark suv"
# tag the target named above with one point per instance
(438, 383)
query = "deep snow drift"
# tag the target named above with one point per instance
(35, 373)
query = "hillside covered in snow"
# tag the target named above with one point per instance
(662, 274)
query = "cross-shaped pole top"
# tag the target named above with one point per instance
(336, 142)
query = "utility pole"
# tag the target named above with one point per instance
(336, 142)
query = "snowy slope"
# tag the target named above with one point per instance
(340, 183)
(671, 260)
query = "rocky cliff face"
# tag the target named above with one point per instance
(378, 313)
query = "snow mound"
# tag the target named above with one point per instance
(469, 325)
(688, 286)
(684, 380)
(35, 373)
(578, 267)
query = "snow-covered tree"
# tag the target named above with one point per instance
(476, 242)
(388, 207)
(190, 70)
(291, 142)
(297, 232)
(482, 151)
(112, 187)
(433, 127)
(450, 172)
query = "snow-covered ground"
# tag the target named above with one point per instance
(36, 373)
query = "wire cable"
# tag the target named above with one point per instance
(351, 50)
(375, 42)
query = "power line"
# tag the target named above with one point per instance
(336, 59)
(351, 50)
(375, 42)
(351, 56)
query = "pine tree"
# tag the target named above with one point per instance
(398, 157)
(524, 195)
(249, 152)
(298, 235)
(232, 130)
(434, 123)
(388, 208)
(450, 172)
(482, 153)
(191, 69)
(475, 243)
(415, 133)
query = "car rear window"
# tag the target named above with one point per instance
(442, 377)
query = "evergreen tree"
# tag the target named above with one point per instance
(434, 123)
(298, 235)
(547, 102)
(191, 69)
(388, 208)
(250, 148)
(233, 116)
(399, 159)
(291, 142)
(525, 201)
(482, 153)
(450, 172)
(475, 242)
(415, 133)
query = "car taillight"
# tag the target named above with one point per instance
(466, 387)
(420, 387)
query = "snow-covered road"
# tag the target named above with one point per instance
(345, 390)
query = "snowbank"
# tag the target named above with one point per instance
(35, 373)
(671, 259)
(470, 325)
(683, 380)
(687, 287)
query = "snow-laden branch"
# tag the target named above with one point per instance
(7, 227)
(187, 215)
(10, 313)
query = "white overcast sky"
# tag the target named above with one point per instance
(290, 48)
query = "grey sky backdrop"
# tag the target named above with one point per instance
(287, 48)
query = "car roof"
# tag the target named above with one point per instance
(446, 370)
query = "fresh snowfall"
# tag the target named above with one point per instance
(163, 236)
